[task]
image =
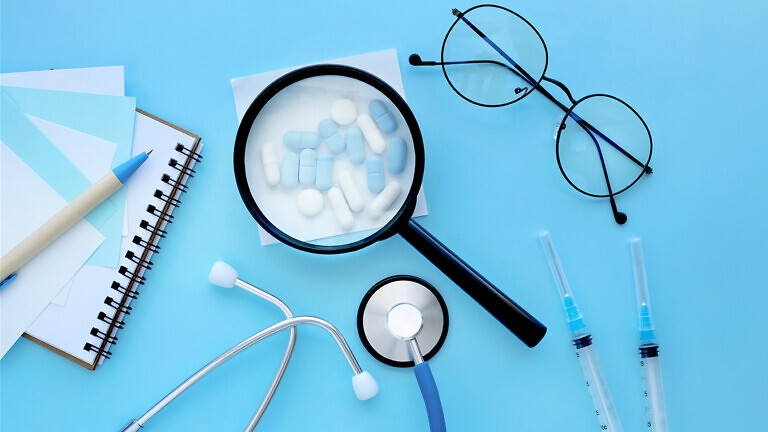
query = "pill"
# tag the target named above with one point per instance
(374, 169)
(340, 209)
(310, 202)
(290, 177)
(307, 167)
(343, 111)
(271, 164)
(384, 200)
(351, 192)
(383, 117)
(324, 174)
(396, 155)
(331, 136)
(301, 140)
(371, 133)
(355, 146)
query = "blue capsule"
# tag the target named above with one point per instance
(301, 140)
(386, 121)
(307, 167)
(355, 146)
(396, 154)
(374, 168)
(324, 174)
(331, 135)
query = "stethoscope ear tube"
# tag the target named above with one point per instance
(431, 397)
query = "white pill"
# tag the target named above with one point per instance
(270, 163)
(371, 133)
(351, 192)
(343, 111)
(310, 202)
(384, 200)
(340, 209)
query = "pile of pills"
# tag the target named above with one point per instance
(306, 165)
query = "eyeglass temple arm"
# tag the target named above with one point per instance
(618, 216)
(527, 78)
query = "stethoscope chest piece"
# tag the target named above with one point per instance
(392, 307)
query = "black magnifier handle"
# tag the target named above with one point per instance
(509, 313)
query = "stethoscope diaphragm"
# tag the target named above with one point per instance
(384, 303)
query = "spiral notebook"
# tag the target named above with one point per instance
(84, 328)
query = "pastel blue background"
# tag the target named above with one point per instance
(694, 71)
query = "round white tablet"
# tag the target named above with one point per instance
(310, 202)
(343, 112)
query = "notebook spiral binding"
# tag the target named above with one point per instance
(158, 217)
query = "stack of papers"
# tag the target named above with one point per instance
(60, 132)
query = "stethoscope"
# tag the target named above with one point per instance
(415, 318)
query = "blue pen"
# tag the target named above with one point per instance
(649, 350)
(67, 217)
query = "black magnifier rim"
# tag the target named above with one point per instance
(445, 73)
(406, 210)
(364, 304)
(561, 128)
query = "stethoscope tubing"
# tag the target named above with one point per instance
(431, 397)
(135, 425)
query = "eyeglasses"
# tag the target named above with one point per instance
(492, 57)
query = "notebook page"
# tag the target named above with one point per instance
(68, 328)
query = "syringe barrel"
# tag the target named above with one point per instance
(597, 385)
(655, 405)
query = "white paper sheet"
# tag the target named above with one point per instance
(22, 211)
(383, 64)
(107, 80)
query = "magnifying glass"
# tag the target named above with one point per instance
(320, 116)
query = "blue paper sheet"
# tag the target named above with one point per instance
(107, 117)
(46, 160)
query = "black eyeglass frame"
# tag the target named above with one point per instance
(416, 60)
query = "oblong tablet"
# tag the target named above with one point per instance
(371, 133)
(383, 117)
(374, 170)
(301, 140)
(355, 146)
(340, 209)
(307, 167)
(384, 200)
(290, 171)
(396, 154)
(343, 112)
(310, 202)
(331, 136)
(351, 192)
(324, 173)
(271, 164)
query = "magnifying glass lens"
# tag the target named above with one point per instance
(344, 157)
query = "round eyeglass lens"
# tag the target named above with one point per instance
(494, 57)
(603, 141)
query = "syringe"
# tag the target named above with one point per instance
(582, 340)
(649, 351)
